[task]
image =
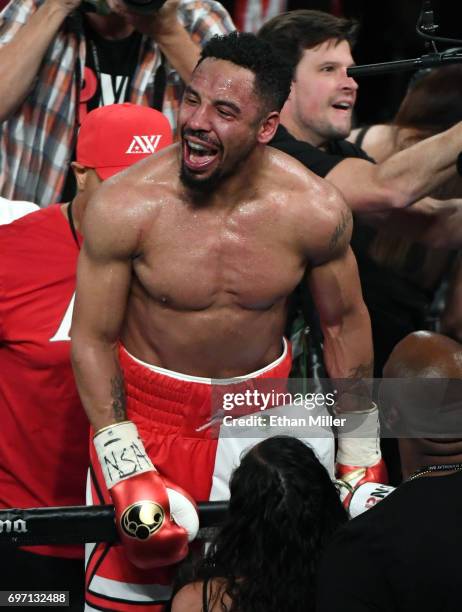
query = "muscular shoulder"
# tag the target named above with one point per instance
(125, 206)
(289, 177)
(322, 217)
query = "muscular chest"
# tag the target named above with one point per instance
(203, 260)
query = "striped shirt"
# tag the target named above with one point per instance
(37, 141)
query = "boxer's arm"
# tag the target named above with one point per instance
(344, 318)
(155, 518)
(348, 355)
(103, 282)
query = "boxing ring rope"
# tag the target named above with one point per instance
(79, 524)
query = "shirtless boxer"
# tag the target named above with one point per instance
(191, 283)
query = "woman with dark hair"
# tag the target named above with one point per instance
(403, 256)
(431, 105)
(283, 510)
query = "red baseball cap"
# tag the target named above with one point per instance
(116, 136)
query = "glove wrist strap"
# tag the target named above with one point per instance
(121, 452)
(359, 438)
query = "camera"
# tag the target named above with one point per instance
(144, 7)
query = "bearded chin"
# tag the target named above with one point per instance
(204, 186)
(199, 185)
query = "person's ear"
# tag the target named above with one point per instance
(390, 414)
(268, 128)
(391, 417)
(81, 175)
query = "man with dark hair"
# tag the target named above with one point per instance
(406, 549)
(318, 114)
(317, 118)
(298, 30)
(273, 74)
(190, 284)
(272, 77)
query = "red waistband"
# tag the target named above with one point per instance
(165, 399)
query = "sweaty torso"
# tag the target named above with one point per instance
(210, 282)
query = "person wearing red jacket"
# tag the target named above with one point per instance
(44, 432)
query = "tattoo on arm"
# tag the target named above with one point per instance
(364, 370)
(355, 392)
(118, 398)
(340, 229)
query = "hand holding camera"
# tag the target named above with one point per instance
(154, 18)
(151, 17)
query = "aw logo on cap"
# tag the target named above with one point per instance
(144, 144)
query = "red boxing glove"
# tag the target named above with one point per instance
(155, 519)
(364, 496)
(354, 476)
(144, 522)
(358, 475)
(359, 459)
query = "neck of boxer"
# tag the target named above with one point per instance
(418, 453)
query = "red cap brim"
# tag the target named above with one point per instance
(105, 173)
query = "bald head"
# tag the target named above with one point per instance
(425, 355)
(421, 400)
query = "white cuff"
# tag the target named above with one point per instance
(121, 452)
(359, 439)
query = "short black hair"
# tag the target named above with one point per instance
(291, 33)
(273, 75)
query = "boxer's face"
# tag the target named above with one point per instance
(322, 97)
(219, 123)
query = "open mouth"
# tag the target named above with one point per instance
(343, 106)
(199, 156)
